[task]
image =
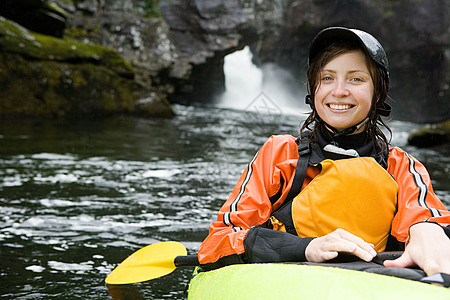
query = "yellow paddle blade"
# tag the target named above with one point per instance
(148, 263)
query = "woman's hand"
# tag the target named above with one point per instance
(428, 248)
(328, 247)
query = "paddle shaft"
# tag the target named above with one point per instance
(186, 261)
(192, 260)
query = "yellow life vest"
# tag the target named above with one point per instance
(355, 194)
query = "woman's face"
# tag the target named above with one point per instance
(344, 94)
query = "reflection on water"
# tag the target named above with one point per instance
(77, 197)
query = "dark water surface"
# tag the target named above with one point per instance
(78, 197)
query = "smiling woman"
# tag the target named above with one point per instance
(344, 95)
(338, 187)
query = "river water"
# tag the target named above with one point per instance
(78, 197)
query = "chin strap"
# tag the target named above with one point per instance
(336, 133)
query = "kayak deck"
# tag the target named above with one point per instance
(291, 281)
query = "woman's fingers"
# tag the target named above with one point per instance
(356, 245)
(328, 247)
(428, 248)
(403, 261)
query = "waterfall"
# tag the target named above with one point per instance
(246, 85)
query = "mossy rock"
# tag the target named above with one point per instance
(46, 76)
(153, 106)
(18, 40)
(433, 135)
(37, 15)
(41, 88)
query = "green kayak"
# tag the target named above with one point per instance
(291, 281)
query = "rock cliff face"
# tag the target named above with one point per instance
(204, 32)
(176, 48)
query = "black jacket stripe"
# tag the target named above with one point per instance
(233, 206)
(423, 189)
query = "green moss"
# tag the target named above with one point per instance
(441, 128)
(387, 14)
(54, 8)
(76, 33)
(109, 102)
(152, 9)
(433, 135)
(37, 88)
(28, 87)
(16, 39)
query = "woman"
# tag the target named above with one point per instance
(338, 187)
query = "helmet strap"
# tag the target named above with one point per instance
(384, 110)
(309, 101)
(337, 134)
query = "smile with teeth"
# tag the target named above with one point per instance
(340, 106)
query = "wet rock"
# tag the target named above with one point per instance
(135, 29)
(433, 135)
(153, 106)
(38, 15)
(46, 76)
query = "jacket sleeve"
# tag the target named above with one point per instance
(417, 201)
(249, 205)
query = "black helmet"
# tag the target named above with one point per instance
(370, 44)
(367, 41)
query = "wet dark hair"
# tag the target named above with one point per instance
(381, 89)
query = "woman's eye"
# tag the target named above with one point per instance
(326, 78)
(356, 79)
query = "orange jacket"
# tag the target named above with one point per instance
(270, 173)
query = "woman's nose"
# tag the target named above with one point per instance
(340, 89)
